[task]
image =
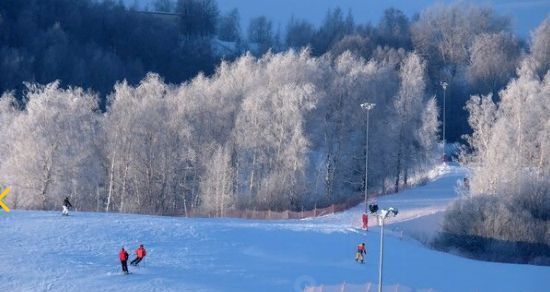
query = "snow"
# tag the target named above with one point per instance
(44, 251)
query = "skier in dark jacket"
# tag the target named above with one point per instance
(140, 254)
(123, 256)
(66, 206)
(361, 251)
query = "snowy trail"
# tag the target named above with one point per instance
(42, 251)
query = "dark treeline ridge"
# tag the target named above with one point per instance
(93, 44)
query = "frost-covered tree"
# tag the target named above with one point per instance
(8, 113)
(53, 151)
(217, 189)
(358, 45)
(283, 131)
(540, 47)
(510, 200)
(445, 33)
(511, 141)
(413, 114)
(427, 134)
(141, 148)
(269, 134)
(482, 117)
(493, 60)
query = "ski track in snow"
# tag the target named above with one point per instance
(43, 251)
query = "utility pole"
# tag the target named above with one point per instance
(381, 261)
(444, 84)
(367, 106)
(390, 212)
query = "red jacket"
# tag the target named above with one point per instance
(140, 252)
(123, 255)
(365, 218)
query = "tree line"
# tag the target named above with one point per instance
(284, 131)
(273, 126)
(93, 44)
(507, 213)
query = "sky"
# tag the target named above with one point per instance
(526, 15)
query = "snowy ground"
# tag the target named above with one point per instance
(43, 251)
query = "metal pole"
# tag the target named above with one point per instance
(381, 256)
(367, 163)
(444, 84)
(367, 106)
(444, 119)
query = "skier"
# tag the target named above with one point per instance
(365, 219)
(373, 207)
(123, 256)
(361, 250)
(66, 206)
(140, 254)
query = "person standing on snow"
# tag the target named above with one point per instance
(140, 254)
(123, 256)
(365, 219)
(66, 206)
(361, 250)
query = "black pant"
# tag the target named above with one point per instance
(124, 266)
(136, 261)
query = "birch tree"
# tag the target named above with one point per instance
(59, 158)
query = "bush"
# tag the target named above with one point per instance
(509, 229)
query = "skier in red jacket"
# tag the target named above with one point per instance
(365, 219)
(123, 256)
(140, 254)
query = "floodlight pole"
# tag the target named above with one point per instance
(444, 84)
(384, 213)
(380, 266)
(367, 106)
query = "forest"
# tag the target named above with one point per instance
(159, 113)
(506, 213)
(285, 131)
(94, 44)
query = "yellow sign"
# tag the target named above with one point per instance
(2, 195)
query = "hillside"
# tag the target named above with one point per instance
(526, 15)
(43, 251)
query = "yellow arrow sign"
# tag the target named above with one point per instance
(2, 195)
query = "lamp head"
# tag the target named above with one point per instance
(367, 106)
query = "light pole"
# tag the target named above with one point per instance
(390, 212)
(367, 106)
(444, 84)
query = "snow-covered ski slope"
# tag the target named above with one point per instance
(44, 251)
